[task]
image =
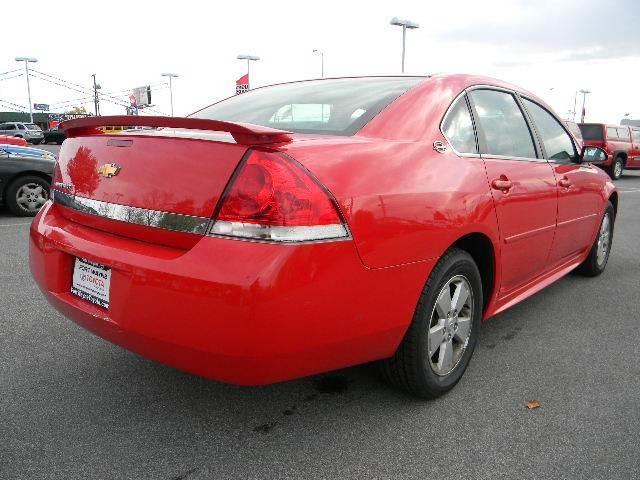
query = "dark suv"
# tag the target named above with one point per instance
(621, 142)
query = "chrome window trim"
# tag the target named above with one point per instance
(508, 157)
(175, 222)
(444, 119)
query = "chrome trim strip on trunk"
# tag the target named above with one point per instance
(176, 222)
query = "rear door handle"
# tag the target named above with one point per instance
(503, 184)
(564, 182)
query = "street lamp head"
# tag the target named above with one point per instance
(172, 75)
(26, 59)
(585, 91)
(247, 57)
(315, 50)
(403, 22)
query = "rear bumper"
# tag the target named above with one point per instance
(240, 312)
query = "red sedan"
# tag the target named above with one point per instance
(309, 226)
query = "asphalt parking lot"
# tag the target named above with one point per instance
(73, 406)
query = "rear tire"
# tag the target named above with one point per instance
(438, 345)
(616, 169)
(26, 195)
(596, 261)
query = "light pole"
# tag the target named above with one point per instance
(171, 76)
(321, 53)
(249, 59)
(96, 100)
(404, 23)
(584, 100)
(27, 61)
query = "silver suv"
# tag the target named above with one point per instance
(31, 132)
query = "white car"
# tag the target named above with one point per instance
(31, 132)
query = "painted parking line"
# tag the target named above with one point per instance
(630, 191)
(14, 224)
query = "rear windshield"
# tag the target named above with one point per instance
(337, 106)
(591, 131)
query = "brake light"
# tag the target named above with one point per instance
(273, 198)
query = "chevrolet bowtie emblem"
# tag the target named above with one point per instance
(109, 170)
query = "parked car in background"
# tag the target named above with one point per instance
(25, 178)
(54, 135)
(310, 226)
(574, 129)
(31, 132)
(7, 140)
(622, 144)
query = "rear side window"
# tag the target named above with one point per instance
(8, 126)
(591, 131)
(458, 128)
(623, 134)
(612, 133)
(504, 128)
(338, 106)
(556, 141)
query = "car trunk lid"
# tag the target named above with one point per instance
(154, 184)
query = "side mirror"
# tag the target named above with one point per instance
(593, 155)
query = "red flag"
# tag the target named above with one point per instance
(242, 84)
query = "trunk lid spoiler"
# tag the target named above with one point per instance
(242, 133)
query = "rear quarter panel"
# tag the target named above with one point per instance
(404, 202)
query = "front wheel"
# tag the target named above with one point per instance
(440, 341)
(596, 262)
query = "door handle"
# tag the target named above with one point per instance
(564, 182)
(503, 184)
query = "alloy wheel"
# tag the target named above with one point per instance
(450, 325)
(618, 169)
(604, 238)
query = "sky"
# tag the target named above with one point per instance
(552, 48)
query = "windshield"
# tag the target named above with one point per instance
(591, 131)
(337, 106)
(32, 126)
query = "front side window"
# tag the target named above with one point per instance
(573, 128)
(636, 135)
(338, 106)
(556, 141)
(458, 128)
(21, 126)
(612, 133)
(505, 130)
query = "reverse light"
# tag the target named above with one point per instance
(272, 198)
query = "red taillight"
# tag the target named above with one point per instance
(273, 198)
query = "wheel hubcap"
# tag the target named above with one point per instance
(450, 326)
(604, 238)
(31, 197)
(618, 168)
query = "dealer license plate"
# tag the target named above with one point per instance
(91, 281)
